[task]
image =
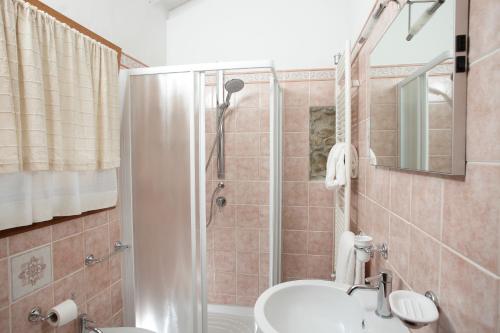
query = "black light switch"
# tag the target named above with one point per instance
(460, 64)
(461, 43)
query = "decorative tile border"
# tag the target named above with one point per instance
(31, 271)
(283, 76)
(403, 71)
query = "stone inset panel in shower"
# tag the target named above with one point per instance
(321, 139)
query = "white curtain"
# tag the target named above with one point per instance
(59, 119)
(58, 95)
(29, 197)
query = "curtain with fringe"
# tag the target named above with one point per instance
(59, 118)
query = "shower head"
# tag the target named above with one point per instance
(233, 86)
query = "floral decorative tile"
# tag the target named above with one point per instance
(31, 271)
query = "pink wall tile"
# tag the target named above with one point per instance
(296, 119)
(224, 217)
(264, 240)
(99, 308)
(94, 220)
(43, 298)
(379, 222)
(296, 93)
(320, 219)
(322, 93)
(399, 243)
(97, 241)
(68, 255)
(4, 283)
(72, 286)
(294, 241)
(295, 218)
(4, 321)
(320, 242)
(426, 204)
(483, 120)
(377, 185)
(469, 297)
(29, 239)
(483, 27)
(400, 193)
(97, 278)
(4, 249)
(247, 216)
(247, 119)
(319, 195)
(319, 267)
(247, 263)
(424, 208)
(225, 283)
(424, 262)
(296, 169)
(247, 240)
(264, 265)
(71, 279)
(247, 285)
(294, 266)
(66, 229)
(116, 297)
(471, 213)
(224, 239)
(115, 267)
(247, 168)
(249, 97)
(296, 144)
(295, 194)
(225, 261)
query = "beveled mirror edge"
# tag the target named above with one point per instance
(459, 130)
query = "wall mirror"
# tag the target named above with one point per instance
(417, 82)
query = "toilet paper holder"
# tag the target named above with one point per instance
(36, 315)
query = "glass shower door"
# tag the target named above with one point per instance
(162, 157)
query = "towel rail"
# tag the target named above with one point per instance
(118, 247)
(343, 84)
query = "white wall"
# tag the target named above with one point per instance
(134, 25)
(294, 33)
(359, 10)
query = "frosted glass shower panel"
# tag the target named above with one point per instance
(161, 112)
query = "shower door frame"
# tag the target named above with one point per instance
(197, 179)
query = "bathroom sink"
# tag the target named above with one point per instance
(125, 330)
(320, 307)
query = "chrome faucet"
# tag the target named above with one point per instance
(85, 327)
(384, 286)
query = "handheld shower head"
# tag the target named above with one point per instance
(233, 86)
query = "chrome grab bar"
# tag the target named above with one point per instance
(118, 247)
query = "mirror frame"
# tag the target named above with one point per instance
(458, 139)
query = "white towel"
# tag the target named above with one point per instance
(346, 259)
(335, 166)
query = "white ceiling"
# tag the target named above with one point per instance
(167, 4)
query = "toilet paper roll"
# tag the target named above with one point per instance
(62, 313)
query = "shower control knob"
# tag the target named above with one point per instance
(221, 201)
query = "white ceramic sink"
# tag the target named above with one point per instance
(320, 307)
(125, 330)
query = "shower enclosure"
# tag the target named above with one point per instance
(182, 275)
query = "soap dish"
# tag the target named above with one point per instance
(415, 310)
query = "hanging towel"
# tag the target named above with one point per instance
(346, 259)
(335, 166)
